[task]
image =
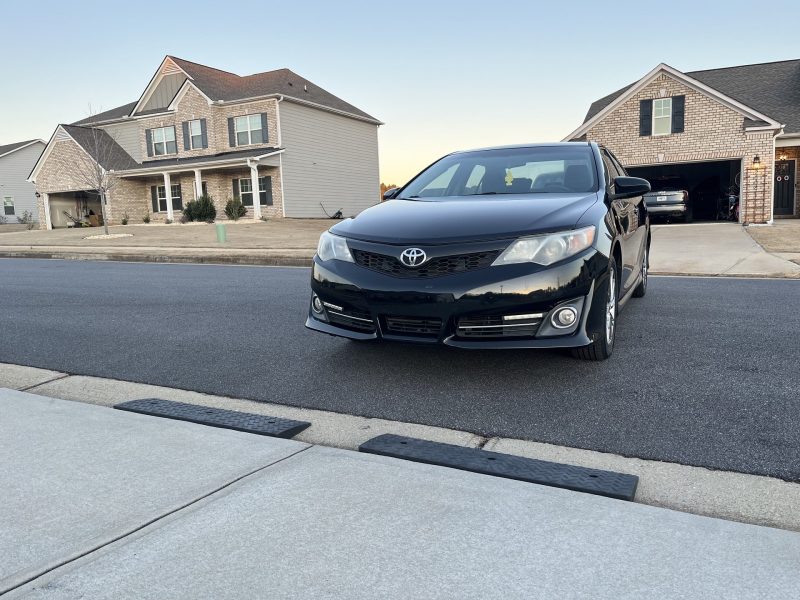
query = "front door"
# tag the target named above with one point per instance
(784, 187)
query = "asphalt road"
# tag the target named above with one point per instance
(705, 372)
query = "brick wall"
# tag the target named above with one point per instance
(194, 106)
(712, 131)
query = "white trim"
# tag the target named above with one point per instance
(686, 80)
(31, 143)
(283, 193)
(182, 92)
(298, 101)
(154, 81)
(787, 141)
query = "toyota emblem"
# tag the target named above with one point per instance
(413, 257)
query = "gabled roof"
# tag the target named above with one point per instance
(770, 88)
(101, 147)
(223, 86)
(9, 148)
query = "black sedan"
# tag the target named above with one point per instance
(534, 246)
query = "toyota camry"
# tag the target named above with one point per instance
(536, 246)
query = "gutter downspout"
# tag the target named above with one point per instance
(280, 156)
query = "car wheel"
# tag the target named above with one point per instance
(641, 289)
(602, 347)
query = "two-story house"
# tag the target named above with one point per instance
(283, 145)
(730, 130)
(16, 192)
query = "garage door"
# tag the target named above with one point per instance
(708, 183)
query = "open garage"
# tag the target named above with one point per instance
(708, 183)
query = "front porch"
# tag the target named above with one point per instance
(160, 189)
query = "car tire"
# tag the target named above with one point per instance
(641, 289)
(602, 347)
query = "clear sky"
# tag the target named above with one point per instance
(442, 75)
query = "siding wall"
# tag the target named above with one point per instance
(329, 159)
(127, 135)
(165, 92)
(14, 170)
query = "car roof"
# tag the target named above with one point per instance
(533, 145)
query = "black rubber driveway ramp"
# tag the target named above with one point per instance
(216, 417)
(579, 479)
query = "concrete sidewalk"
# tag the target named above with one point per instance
(104, 504)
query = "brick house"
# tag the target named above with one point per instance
(711, 132)
(195, 130)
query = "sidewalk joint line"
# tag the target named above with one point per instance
(152, 521)
(35, 385)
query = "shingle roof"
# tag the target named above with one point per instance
(6, 148)
(101, 147)
(224, 86)
(109, 115)
(770, 88)
(192, 160)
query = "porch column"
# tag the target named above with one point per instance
(47, 220)
(168, 192)
(256, 194)
(198, 184)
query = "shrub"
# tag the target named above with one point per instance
(183, 219)
(263, 218)
(124, 219)
(168, 221)
(146, 218)
(201, 209)
(26, 218)
(235, 210)
(3, 220)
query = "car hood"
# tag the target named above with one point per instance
(448, 220)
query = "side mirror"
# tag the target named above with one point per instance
(390, 193)
(630, 187)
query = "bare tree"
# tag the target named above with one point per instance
(94, 167)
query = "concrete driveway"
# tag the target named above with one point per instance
(713, 249)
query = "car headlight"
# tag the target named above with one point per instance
(547, 249)
(333, 247)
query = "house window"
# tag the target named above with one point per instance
(196, 134)
(264, 192)
(662, 116)
(8, 205)
(248, 130)
(164, 141)
(161, 197)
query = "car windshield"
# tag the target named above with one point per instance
(534, 170)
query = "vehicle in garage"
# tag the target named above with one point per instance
(668, 198)
(516, 247)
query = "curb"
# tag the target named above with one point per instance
(252, 260)
(726, 275)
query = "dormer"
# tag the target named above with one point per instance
(162, 89)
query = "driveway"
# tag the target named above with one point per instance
(713, 249)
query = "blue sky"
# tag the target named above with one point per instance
(442, 75)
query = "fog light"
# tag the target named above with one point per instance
(316, 304)
(565, 317)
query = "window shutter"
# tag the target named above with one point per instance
(148, 136)
(678, 110)
(268, 190)
(187, 142)
(645, 117)
(231, 133)
(204, 132)
(236, 189)
(264, 128)
(154, 197)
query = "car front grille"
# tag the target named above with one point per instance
(436, 267)
(495, 326)
(413, 326)
(351, 319)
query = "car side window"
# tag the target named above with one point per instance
(610, 168)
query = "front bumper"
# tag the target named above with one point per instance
(463, 309)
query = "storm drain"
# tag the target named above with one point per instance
(531, 470)
(216, 417)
